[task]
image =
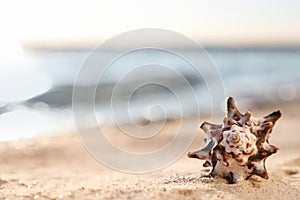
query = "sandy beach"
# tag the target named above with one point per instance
(58, 167)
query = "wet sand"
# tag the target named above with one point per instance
(59, 167)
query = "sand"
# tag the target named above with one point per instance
(58, 167)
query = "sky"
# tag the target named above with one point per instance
(212, 22)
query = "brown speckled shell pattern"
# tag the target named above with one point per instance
(238, 148)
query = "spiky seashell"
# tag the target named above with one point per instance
(238, 148)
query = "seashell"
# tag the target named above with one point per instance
(238, 148)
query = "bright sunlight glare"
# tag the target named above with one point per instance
(11, 52)
(21, 123)
(20, 79)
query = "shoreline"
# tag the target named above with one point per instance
(57, 166)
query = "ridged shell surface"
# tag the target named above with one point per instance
(237, 148)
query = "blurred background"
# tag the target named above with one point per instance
(255, 45)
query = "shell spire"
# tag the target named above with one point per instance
(238, 148)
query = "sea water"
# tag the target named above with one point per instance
(39, 92)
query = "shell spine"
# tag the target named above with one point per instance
(237, 148)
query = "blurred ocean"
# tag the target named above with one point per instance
(36, 92)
